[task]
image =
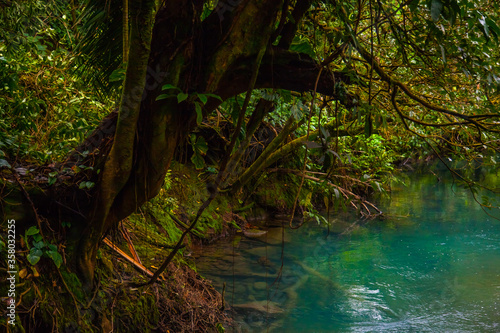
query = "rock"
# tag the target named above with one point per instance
(254, 233)
(260, 285)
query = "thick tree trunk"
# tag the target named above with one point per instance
(118, 165)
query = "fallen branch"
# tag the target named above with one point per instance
(137, 264)
(131, 247)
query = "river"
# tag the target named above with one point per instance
(432, 265)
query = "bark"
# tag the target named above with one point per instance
(262, 108)
(263, 160)
(125, 31)
(290, 28)
(118, 165)
(283, 69)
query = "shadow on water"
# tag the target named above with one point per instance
(431, 266)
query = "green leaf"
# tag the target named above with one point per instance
(200, 145)
(414, 5)
(198, 161)
(303, 46)
(56, 257)
(32, 230)
(164, 96)
(493, 27)
(203, 98)
(199, 113)
(52, 180)
(39, 244)
(436, 9)
(234, 225)
(443, 54)
(211, 170)
(33, 259)
(34, 255)
(181, 97)
(4, 164)
(220, 328)
(118, 75)
(169, 86)
(376, 185)
(235, 112)
(485, 29)
(214, 96)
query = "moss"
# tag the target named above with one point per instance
(73, 283)
(181, 196)
(136, 310)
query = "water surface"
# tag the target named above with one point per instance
(433, 265)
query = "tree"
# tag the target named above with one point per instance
(407, 62)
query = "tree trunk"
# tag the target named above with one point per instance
(118, 165)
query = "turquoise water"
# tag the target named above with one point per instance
(432, 265)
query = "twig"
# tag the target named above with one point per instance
(305, 154)
(131, 247)
(344, 192)
(38, 220)
(138, 265)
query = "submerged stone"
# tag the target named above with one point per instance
(254, 233)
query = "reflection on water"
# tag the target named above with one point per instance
(432, 267)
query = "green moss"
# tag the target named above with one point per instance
(73, 283)
(136, 310)
(181, 196)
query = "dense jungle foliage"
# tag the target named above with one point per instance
(174, 120)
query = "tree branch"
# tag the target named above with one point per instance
(387, 78)
(282, 69)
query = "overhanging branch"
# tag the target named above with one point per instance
(387, 78)
(282, 69)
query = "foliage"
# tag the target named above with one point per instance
(99, 52)
(45, 111)
(197, 99)
(371, 156)
(40, 248)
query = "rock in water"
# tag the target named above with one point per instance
(253, 233)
